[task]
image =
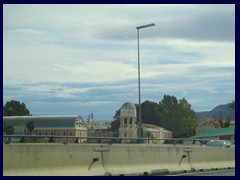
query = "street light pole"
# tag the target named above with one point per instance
(140, 130)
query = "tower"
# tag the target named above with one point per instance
(128, 120)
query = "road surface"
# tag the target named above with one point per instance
(228, 172)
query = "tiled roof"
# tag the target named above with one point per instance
(42, 121)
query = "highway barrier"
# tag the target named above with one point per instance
(40, 159)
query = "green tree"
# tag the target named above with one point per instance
(115, 124)
(149, 113)
(176, 116)
(148, 135)
(15, 108)
(30, 127)
(9, 131)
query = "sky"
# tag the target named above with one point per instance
(82, 59)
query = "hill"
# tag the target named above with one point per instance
(215, 112)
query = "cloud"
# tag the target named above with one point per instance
(80, 58)
(189, 22)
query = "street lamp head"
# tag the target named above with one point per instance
(145, 26)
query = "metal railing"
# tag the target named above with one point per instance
(110, 140)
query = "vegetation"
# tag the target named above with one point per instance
(15, 108)
(115, 125)
(149, 115)
(170, 113)
(30, 127)
(148, 135)
(176, 116)
(223, 121)
(9, 131)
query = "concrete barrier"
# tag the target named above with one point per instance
(116, 159)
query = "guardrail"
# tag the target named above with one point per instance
(92, 139)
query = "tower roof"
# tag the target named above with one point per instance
(128, 105)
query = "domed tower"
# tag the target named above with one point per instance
(128, 120)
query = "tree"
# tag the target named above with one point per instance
(115, 125)
(149, 113)
(176, 116)
(15, 108)
(9, 131)
(148, 135)
(223, 121)
(30, 127)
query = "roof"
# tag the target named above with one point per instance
(151, 126)
(216, 132)
(42, 121)
(128, 105)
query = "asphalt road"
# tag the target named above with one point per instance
(229, 172)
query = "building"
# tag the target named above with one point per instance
(218, 134)
(128, 125)
(99, 129)
(50, 125)
(128, 121)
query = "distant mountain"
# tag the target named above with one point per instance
(215, 112)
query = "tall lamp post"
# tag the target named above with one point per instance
(140, 130)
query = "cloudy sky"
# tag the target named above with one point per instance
(78, 59)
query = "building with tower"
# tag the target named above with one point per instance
(128, 121)
(129, 126)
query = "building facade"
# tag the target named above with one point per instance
(128, 121)
(50, 125)
(129, 127)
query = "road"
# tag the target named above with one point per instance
(229, 172)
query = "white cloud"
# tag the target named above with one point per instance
(89, 53)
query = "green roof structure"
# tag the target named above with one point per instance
(216, 132)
